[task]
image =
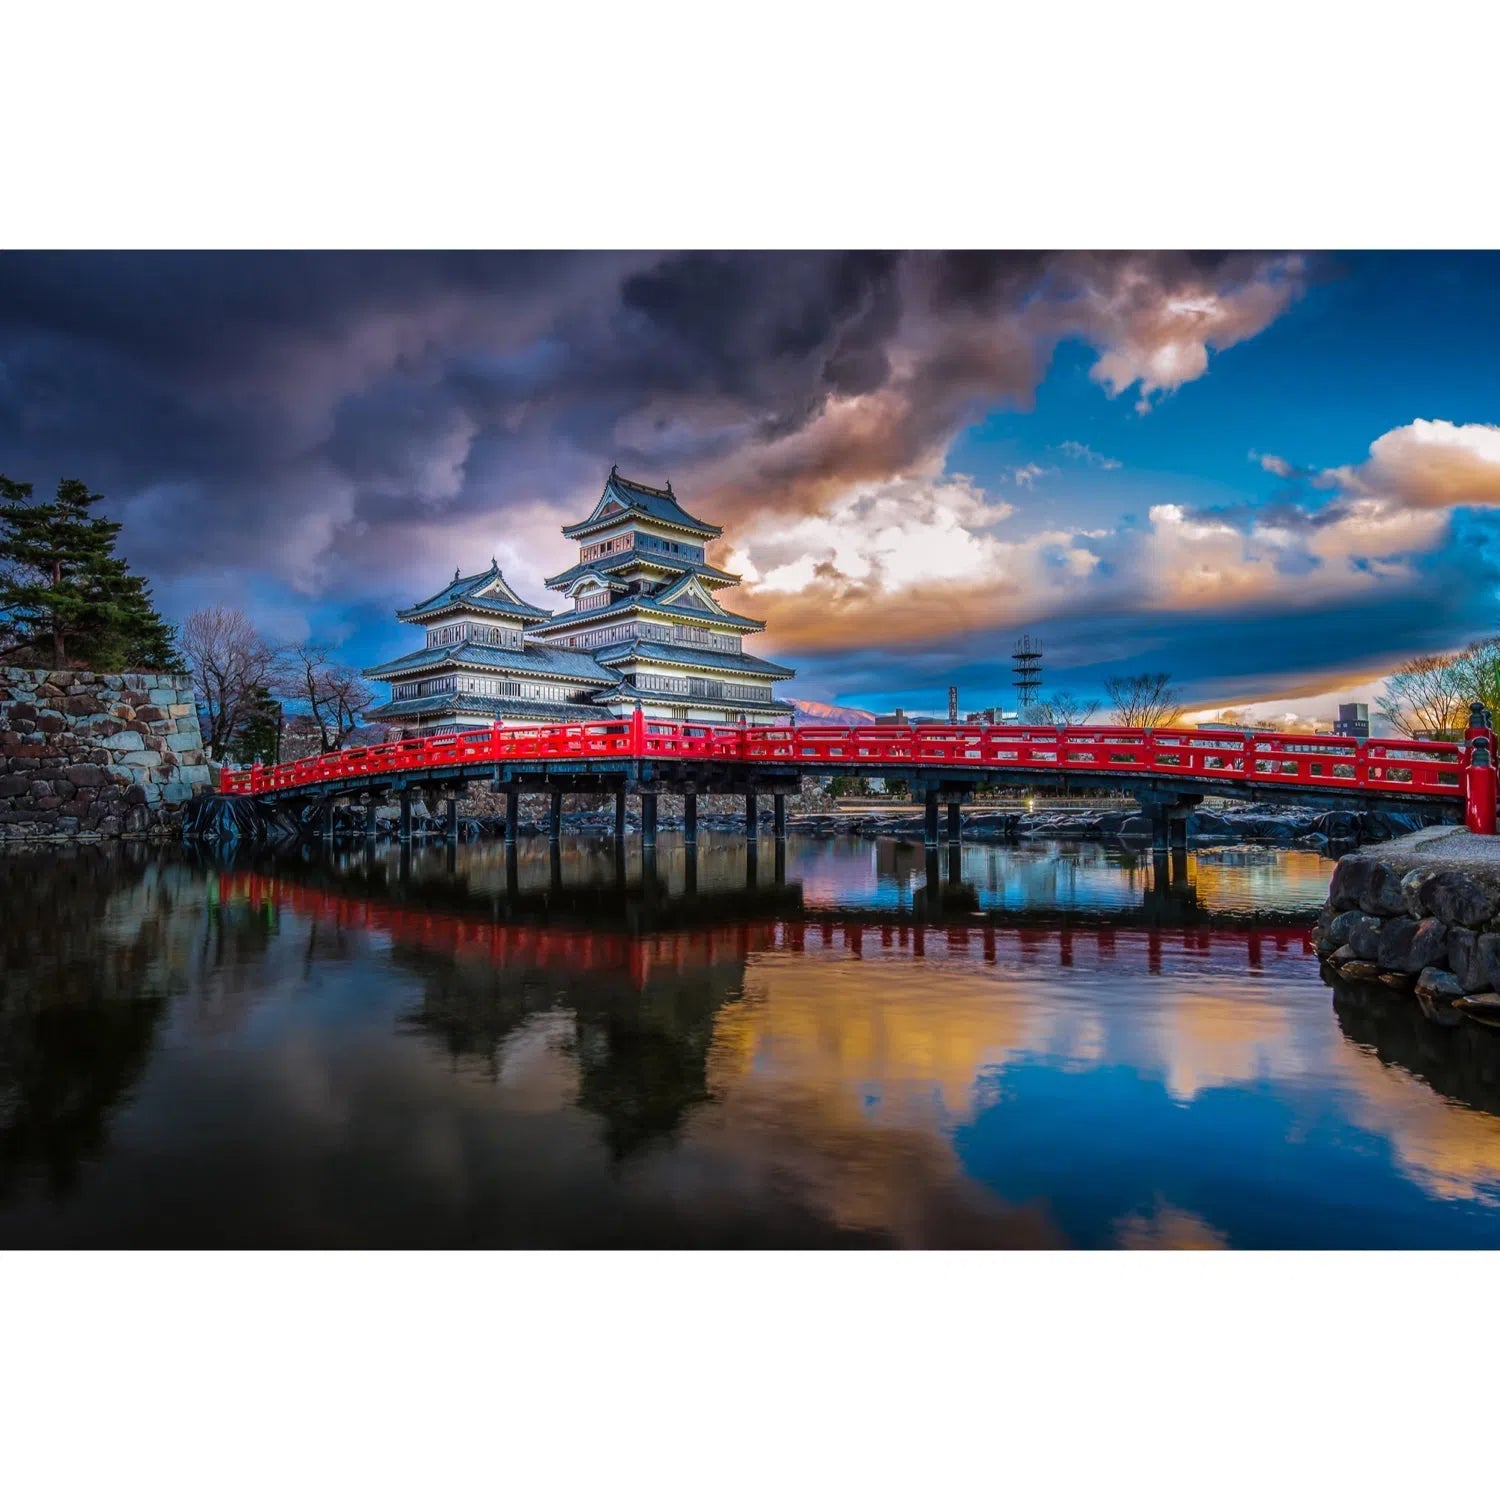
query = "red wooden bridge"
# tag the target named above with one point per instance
(1168, 771)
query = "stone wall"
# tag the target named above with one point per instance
(1418, 920)
(88, 755)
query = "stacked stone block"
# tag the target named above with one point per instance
(97, 754)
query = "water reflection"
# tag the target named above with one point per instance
(843, 1045)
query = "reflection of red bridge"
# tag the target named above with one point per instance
(1168, 769)
(578, 949)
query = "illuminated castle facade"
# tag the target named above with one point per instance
(644, 629)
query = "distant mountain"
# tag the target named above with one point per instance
(826, 713)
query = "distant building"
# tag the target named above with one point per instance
(644, 630)
(1353, 719)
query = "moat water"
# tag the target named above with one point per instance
(849, 1045)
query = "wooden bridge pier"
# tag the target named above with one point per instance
(406, 815)
(690, 822)
(752, 818)
(512, 814)
(778, 816)
(620, 817)
(648, 820)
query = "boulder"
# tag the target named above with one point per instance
(1455, 899)
(1410, 885)
(1364, 937)
(126, 739)
(1381, 895)
(1438, 984)
(1464, 961)
(1351, 878)
(87, 776)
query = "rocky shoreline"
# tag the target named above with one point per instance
(1421, 913)
(1252, 823)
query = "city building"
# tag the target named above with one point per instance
(644, 629)
(1353, 719)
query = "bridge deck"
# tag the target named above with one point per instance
(1159, 765)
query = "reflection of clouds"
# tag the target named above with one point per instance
(886, 1047)
(1168, 1227)
(1446, 1148)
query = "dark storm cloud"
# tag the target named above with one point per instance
(338, 424)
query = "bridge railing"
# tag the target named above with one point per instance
(1413, 767)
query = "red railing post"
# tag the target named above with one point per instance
(637, 733)
(1479, 788)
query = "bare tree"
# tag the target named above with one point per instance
(232, 666)
(1144, 701)
(1062, 709)
(1428, 697)
(334, 695)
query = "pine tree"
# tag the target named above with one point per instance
(259, 738)
(65, 595)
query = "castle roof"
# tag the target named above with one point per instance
(636, 556)
(690, 656)
(473, 703)
(486, 592)
(624, 497)
(537, 659)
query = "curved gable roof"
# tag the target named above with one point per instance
(626, 496)
(486, 591)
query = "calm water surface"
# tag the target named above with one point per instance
(1039, 1046)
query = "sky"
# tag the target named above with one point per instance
(1268, 474)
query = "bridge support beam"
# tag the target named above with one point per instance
(512, 815)
(1169, 817)
(554, 823)
(452, 829)
(955, 823)
(778, 816)
(690, 819)
(406, 815)
(752, 817)
(930, 820)
(372, 807)
(648, 820)
(328, 817)
(620, 816)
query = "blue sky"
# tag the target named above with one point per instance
(1268, 474)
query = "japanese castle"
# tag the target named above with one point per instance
(644, 629)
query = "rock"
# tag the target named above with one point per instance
(1381, 895)
(1341, 925)
(1351, 878)
(1407, 946)
(1341, 956)
(1394, 944)
(1438, 984)
(88, 775)
(1455, 899)
(141, 758)
(1483, 1008)
(1364, 937)
(13, 786)
(1359, 969)
(1465, 961)
(1410, 882)
(126, 739)
(1428, 945)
